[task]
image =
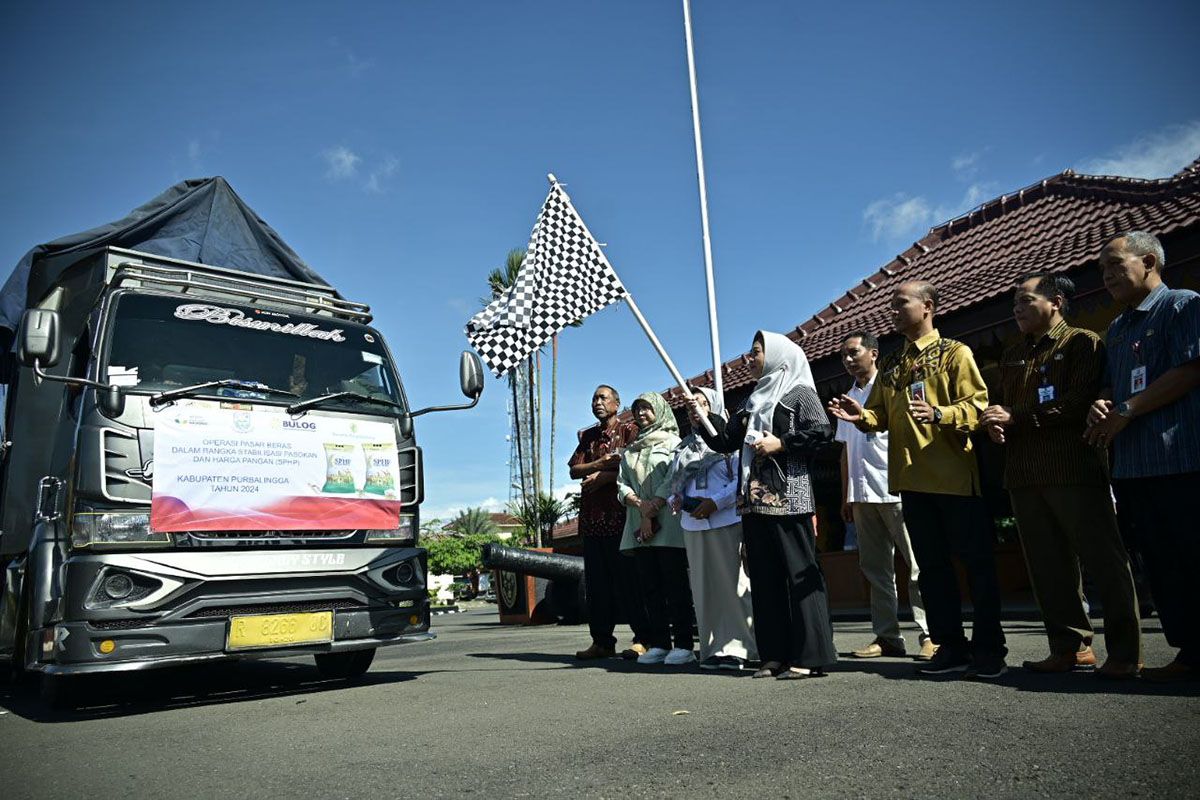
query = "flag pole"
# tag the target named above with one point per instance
(637, 313)
(718, 384)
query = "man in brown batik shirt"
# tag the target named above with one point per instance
(1059, 483)
(611, 583)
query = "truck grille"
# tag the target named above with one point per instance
(243, 536)
(276, 608)
(121, 624)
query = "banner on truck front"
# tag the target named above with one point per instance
(231, 466)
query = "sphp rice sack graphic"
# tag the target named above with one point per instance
(338, 477)
(379, 469)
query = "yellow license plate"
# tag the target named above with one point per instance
(278, 630)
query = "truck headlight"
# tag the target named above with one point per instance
(101, 528)
(404, 534)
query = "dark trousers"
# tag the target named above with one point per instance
(1061, 528)
(1162, 514)
(944, 526)
(663, 577)
(612, 590)
(787, 591)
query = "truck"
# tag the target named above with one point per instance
(202, 461)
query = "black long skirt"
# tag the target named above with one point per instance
(787, 589)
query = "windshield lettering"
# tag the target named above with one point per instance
(238, 319)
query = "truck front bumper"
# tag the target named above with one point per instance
(180, 610)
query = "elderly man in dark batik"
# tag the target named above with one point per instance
(611, 581)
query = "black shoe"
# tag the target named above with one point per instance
(731, 663)
(711, 663)
(986, 668)
(944, 662)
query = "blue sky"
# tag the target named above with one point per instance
(401, 148)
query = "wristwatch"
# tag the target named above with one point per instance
(1124, 409)
(937, 416)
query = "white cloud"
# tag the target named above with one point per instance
(564, 492)
(965, 166)
(452, 512)
(1154, 155)
(976, 194)
(341, 162)
(897, 216)
(354, 65)
(194, 152)
(380, 174)
(462, 305)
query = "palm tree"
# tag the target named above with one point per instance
(474, 522)
(499, 281)
(539, 516)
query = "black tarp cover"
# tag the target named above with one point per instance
(200, 220)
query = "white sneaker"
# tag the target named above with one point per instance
(679, 656)
(655, 655)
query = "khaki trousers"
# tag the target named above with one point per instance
(881, 533)
(721, 592)
(1062, 526)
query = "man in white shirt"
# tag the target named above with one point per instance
(876, 513)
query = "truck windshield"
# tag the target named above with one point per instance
(160, 343)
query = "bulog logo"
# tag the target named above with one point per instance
(300, 426)
(238, 319)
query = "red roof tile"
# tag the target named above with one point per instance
(1056, 224)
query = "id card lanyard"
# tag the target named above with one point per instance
(1137, 376)
(1045, 388)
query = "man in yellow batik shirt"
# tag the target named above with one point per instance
(928, 397)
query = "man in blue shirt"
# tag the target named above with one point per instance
(1150, 416)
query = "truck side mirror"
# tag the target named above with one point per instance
(39, 338)
(470, 374)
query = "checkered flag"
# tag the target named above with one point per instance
(564, 278)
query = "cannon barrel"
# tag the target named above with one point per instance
(531, 562)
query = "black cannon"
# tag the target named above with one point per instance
(557, 592)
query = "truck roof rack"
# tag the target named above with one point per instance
(145, 269)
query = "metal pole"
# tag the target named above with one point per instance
(718, 383)
(637, 313)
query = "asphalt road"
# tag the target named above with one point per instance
(492, 711)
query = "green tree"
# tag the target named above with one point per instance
(538, 516)
(458, 549)
(474, 522)
(451, 555)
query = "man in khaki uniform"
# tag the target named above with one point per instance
(876, 512)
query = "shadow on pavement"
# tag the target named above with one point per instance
(1021, 680)
(609, 664)
(135, 693)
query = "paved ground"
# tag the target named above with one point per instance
(498, 712)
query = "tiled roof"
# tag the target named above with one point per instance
(564, 530)
(1056, 224)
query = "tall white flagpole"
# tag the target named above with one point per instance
(637, 313)
(718, 383)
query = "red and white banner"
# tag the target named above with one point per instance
(232, 466)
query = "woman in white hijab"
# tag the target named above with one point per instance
(704, 494)
(777, 431)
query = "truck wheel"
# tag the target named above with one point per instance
(60, 692)
(345, 666)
